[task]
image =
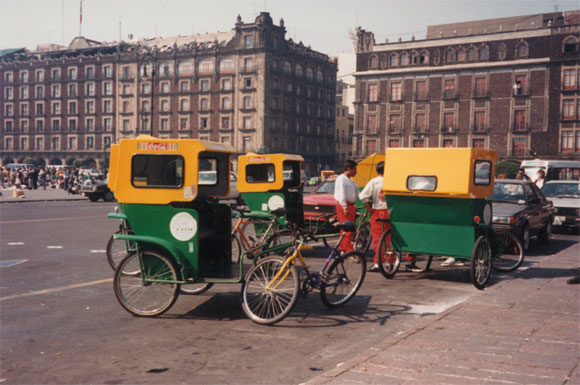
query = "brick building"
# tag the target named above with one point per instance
(509, 84)
(249, 87)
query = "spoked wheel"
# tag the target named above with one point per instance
(343, 279)
(117, 250)
(264, 301)
(510, 252)
(195, 288)
(281, 237)
(389, 261)
(136, 294)
(362, 238)
(480, 262)
(236, 250)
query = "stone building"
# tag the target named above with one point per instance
(509, 84)
(249, 87)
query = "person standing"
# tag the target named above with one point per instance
(345, 193)
(540, 179)
(374, 201)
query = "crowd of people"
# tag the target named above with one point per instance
(43, 178)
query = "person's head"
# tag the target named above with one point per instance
(350, 168)
(381, 168)
(521, 173)
(541, 174)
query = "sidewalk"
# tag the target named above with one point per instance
(523, 330)
(50, 194)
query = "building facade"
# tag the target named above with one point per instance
(249, 87)
(510, 84)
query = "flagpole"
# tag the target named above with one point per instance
(81, 19)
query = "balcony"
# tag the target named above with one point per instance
(395, 131)
(421, 97)
(521, 128)
(127, 79)
(480, 130)
(396, 98)
(522, 92)
(420, 130)
(449, 95)
(448, 130)
(248, 69)
(481, 94)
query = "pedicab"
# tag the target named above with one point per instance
(180, 231)
(437, 207)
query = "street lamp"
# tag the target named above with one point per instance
(149, 60)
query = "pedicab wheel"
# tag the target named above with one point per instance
(236, 250)
(117, 250)
(510, 252)
(281, 237)
(343, 279)
(195, 288)
(362, 238)
(267, 305)
(389, 261)
(142, 298)
(480, 262)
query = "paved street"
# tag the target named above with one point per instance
(58, 308)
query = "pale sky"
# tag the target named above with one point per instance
(321, 24)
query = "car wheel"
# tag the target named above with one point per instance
(108, 197)
(546, 234)
(93, 198)
(526, 237)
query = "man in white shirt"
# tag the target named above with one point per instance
(374, 200)
(345, 193)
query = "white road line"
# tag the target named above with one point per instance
(56, 289)
(15, 243)
(54, 247)
(98, 251)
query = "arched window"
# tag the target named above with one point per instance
(404, 59)
(484, 53)
(522, 50)
(374, 62)
(449, 56)
(471, 54)
(393, 60)
(287, 68)
(461, 55)
(414, 58)
(299, 71)
(570, 45)
(424, 57)
(226, 65)
(309, 73)
(319, 76)
(205, 66)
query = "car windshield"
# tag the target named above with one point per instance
(561, 190)
(326, 188)
(510, 192)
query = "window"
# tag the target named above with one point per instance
(569, 79)
(449, 56)
(183, 123)
(126, 107)
(90, 124)
(226, 65)
(108, 88)
(226, 84)
(404, 59)
(394, 143)
(90, 107)
(56, 125)
(90, 89)
(570, 45)
(288, 69)
(204, 123)
(24, 76)
(40, 76)
(479, 121)
(204, 85)
(108, 124)
(371, 124)
(518, 146)
(90, 72)
(448, 143)
(24, 109)
(247, 122)
(450, 92)
(164, 124)
(72, 142)
(309, 73)
(72, 90)
(225, 139)
(421, 90)
(72, 108)
(471, 54)
(126, 124)
(56, 108)
(146, 88)
(40, 92)
(414, 58)
(108, 71)
(567, 141)
(521, 85)
(164, 87)
(24, 125)
(578, 109)
(449, 121)
(396, 91)
(259, 173)
(107, 107)
(226, 103)
(461, 55)
(56, 91)
(520, 121)
(568, 109)
(205, 66)
(374, 62)
(482, 174)
(126, 73)
(185, 68)
(418, 142)
(249, 41)
(9, 110)
(577, 140)
(126, 89)
(248, 83)
(424, 57)
(24, 93)
(395, 123)
(393, 60)
(248, 64)
(522, 50)
(184, 86)
(420, 123)
(72, 74)
(299, 71)
(225, 122)
(247, 102)
(8, 77)
(9, 94)
(371, 146)
(165, 105)
(184, 105)
(484, 53)
(165, 69)
(40, 143)
(478, 143)
(204, 104)
(373, 92)
(157, 171)
(40, 109)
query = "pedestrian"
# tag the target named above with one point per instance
(521, 175)
(42, 178)
(374, 201)
(541, 178)
(345, 193)
(33, 175)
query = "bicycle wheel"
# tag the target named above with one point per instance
(280, 237)
(117, 250)
(480, 263)
(267, 305)
(389, 261)
(343, 279)
(362, 238)
(236, 250)
(141, 298)
(510, 252)
(195, 288)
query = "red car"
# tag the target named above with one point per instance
(320, 201)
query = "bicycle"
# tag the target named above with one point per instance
(325, 224)
(271, 287)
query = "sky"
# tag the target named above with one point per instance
(322, 24)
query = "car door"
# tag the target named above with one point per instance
(546, 207)
(533, 208)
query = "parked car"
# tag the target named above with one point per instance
(520, 206)
(565, 195)
(19, 166)
(89, 173)
(96, 190)
(320, 201)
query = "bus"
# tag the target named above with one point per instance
(554, 169)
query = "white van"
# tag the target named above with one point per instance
(554, 169)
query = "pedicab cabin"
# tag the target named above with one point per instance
(163, 190)
(271, 181)
(366, 169)
(436, 198)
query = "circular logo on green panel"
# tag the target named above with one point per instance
(183, 226)
(275, 202)
(487, 214)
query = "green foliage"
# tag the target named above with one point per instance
(77, 163)
(30, 160)
(508, 168)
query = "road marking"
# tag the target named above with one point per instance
(50, 219)
(12, 263)
(54, 247)
(57, 289)
(15, 243)
(98, 251)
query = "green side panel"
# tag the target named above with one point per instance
(153, 221)
(422, 238)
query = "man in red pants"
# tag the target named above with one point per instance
(374, 201)
(345, 193)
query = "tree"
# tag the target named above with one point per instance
(508, 168)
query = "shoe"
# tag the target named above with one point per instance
(459, 263)
(414, 268)
(409, 258)
(374, 268)
(448, 262)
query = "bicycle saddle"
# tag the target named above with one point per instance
(348, 226)
(279, 212)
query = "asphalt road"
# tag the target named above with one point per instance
(61, 323)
